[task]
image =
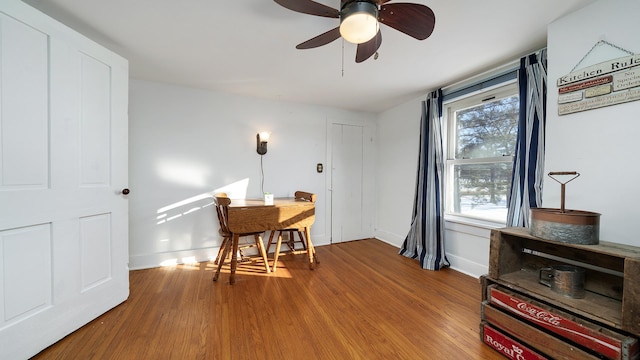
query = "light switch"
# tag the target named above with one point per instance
(319, 168)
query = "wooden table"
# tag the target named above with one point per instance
(253, 215)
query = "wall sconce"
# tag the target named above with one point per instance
(261, 142)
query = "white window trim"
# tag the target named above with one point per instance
(447, 128)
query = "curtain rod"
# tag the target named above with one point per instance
(497, 71)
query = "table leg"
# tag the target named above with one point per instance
(277, 253)
(310, 250)
(263, 252)
(234, 259)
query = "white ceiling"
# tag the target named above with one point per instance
(248, 46)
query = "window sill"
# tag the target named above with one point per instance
(475, 222)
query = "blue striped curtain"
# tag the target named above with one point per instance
(425, 240)
(528, 165)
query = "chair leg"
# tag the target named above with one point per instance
(220, 251)
(234, 259)
(270, 240)
(302, 239)
(261, 248)
(226, 248)
(291, 241)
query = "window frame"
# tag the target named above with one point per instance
(499, 90)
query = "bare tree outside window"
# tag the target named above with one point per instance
(482, 144)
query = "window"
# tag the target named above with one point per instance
(481, 140)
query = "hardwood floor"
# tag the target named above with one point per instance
(363, 301)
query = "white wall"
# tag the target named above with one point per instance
(599, 144)
(186, 143)
(398, 137)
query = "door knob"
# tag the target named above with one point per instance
(125, 191)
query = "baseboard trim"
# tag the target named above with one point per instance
(467, 267)
(148, 261)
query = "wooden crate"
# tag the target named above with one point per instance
(506, 345)
(608, 343)
(612, 281)
(544, 342)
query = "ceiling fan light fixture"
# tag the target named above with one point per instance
(359, 22)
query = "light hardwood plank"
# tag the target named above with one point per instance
(363, 301)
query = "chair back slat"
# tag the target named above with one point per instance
(222, 202)
(306, 196)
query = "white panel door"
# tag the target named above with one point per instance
(63, 164)
(347, 176)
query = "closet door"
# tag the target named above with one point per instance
(63, 165)
(346, 182)
(350, 192)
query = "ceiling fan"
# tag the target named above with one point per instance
(359, 22)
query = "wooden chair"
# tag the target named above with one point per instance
(222, 203)
(291, 242)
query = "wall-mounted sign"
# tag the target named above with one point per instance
(608, 83)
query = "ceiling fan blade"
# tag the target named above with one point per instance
(322, 39)
(309, 7)
(365, 50)
(415, 20)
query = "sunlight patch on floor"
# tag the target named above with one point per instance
(252, 267)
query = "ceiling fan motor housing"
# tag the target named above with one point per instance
(348, 7)
(359, 21)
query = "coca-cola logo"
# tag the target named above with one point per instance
(539, 314)
(514, 352)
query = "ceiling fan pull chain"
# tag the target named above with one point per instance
(342, 57)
